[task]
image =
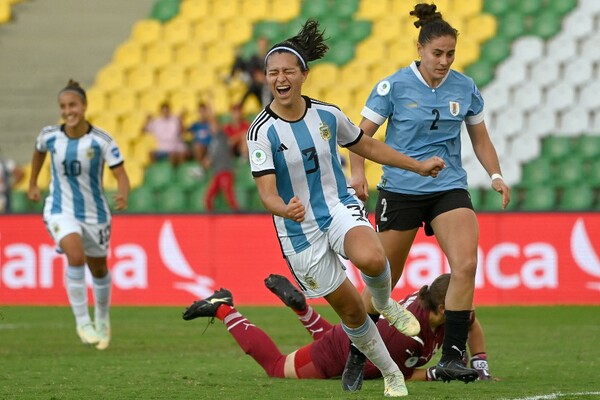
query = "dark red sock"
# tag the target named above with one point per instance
(254, 342)
(314, 323)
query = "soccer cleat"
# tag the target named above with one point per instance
(208, 307)
(353, 375)
(394, 385)
(401, 318)
(88, 334)
(454, 369)
(287, 293)
(103, 330)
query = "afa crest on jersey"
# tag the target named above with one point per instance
(325, 132)
(90, 153)
(454, 108)
(311, 282)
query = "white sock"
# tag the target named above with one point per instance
(368, 340)
(380, 286)
(102, 288)
(78, 295)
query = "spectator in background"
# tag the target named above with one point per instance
(10, 176)
(219, 160)
(252, 73)
(76, 212)
(236, 131)
(202, 131)
(168, 131)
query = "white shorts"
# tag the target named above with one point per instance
(318, 269)
(95, 237)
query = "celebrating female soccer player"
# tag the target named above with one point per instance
(294, 159)
(425, 105)
(76, 212)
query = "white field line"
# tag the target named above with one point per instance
(553, 396)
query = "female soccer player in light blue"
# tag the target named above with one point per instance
(294, 159)
(76, 212)
(425, 105)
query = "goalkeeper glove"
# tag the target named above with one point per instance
(479, 363)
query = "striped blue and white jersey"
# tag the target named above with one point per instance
(304, 157)
(424, 122)
(77, 167)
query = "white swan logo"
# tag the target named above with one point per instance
(172, 256)
(584, 253)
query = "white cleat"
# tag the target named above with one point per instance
(103, 329)
(401, 318)
(88, 334)
(394, 385)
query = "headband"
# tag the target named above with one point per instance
(77, 90)
(285, 48)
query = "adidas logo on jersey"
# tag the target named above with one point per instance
(281, 148)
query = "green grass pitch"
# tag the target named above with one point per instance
(537, 352)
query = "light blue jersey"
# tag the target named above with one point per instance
(304, 157)
(424, 122)
(77, 167)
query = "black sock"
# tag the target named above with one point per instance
(456, 332)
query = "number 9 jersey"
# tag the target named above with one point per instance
(77, 166)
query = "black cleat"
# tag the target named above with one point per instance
(208, 306)
(353, 375)
(287, 293)
(452, 370)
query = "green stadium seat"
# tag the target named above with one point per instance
(592, 176)
(497, 8)
(164, 10)
(196, 198)
(189, 175)
(340, 53)
(358, 31)
(577, 198)
(562, 7)
(19, 203)
(541, 198)
(317, 9)
(569, 172)
(546, 25)
(141, 200)
(536, 172)
(495, 50)
(557, 147)
(512, 25)
(172, 199)
(272, 30)
(588, 147)
(492, 201)
(159, 175)
(482, 72)
(476, 197)
(528, 7)
(345, 9)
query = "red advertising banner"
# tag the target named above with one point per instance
(547, 258)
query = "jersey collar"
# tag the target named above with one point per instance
(414, 66)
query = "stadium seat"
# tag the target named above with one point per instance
(184, 101)
(569, 172)
(577, 198)
(172, 199)
(527, 97)
(372, 9)
(209, 31)
(146, 31)
(588, 147)
(128, 54)
(96, 98)
(546, 25)
(476, 197)
(159, 175)
(574, 121)
(497, 8)
(171, 78)
(121, 102)
(539, 198)
(492, 201)
(495, 50)
(537, 172)
(284, 10)
(108, 122)
(466, 8)
(135, 172)
(19, 203)
(176, 31)
(110, 77)
(255, 10)
(555, 148)
(511, 25)
(141, 200)
(150, 99)
(188, 55)
(158, 54)
(237, 30)
(189, 175)
(480, 27)
(132, 125)
(194, 10)
(545, 72)
(593, 174)
(164, 10)
(140, 78)
(529, 7)
(528, 49)
(271, 30)
(5, 11)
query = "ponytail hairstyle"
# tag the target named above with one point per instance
(308, 45)
(435, 294)
(73, 86)
(431, 23)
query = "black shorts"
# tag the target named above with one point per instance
(404, 212)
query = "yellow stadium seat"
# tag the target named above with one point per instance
(108, 122)
(480, 28)
(466, 8)
(96, 100)
(323, 75)
(150, 99)
(402, 8)
(284, 10)
(142, 148)
(128, 54)
(158, 54)
(110, 183)
(372, 9)
(171, 77)
(5, 11)
(189, 54)
(224, 10)
(184, 101)
(354, 74)
(132, 125)
(372, 51)
(141, 77)
(135, 172)
(220, 54)
(386, 28)
(209, 31)
(220, 100)
(237, 30)
(177, 30)
(255, 10)
(146, 31)
(110, 77)
(121, 102)
(467, 51)
(201, 77)
(194, 10)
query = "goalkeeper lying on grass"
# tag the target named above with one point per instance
(326, 356)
